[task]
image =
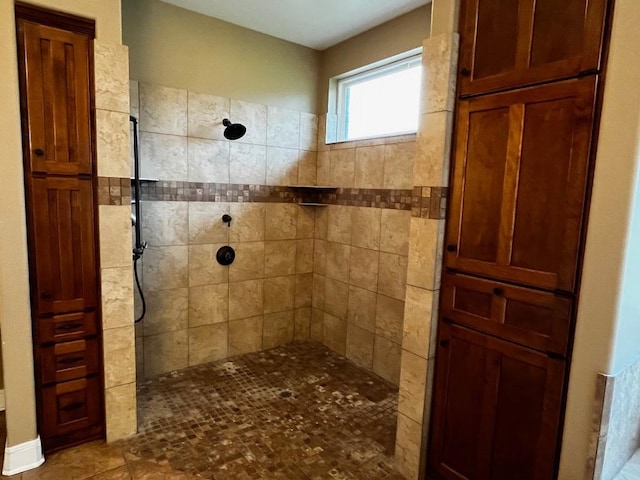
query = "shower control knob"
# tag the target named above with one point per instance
(226, 255)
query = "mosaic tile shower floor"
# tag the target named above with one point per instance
(295, 412)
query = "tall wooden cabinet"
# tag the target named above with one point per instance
(55, 58)
(526, 116)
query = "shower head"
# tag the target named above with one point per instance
(234, 131)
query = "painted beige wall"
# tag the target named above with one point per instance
(606, 338)
(394, 37)
(178, 48)
(15, 315)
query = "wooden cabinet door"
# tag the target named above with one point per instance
(63, 241)
(520, 178)
(533, 318)
(56, 99)
(496, 409)
(513, 43)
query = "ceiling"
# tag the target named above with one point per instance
(312, 23)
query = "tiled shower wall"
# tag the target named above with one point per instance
(360, 258)
(197, 310)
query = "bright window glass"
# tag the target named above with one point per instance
(381, 101)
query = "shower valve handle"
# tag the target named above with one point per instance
(226, 218)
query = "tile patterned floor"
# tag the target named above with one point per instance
(298, 412)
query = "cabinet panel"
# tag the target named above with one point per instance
(56, 99)
(508, 44)
(65, 328)
(68, 361)
(519, 184)
(63, 235)
(496, 409)
(536, 319)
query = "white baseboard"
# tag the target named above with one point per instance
(2, 405)
(23, 457)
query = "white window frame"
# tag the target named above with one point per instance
(379, 69)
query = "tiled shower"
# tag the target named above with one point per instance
(333, 274)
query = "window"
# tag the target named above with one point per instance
(380, 100)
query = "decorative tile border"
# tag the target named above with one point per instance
(114, 191)
(425, 202)
(429, 202)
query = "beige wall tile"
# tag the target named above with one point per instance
(342, 167)
(279, 294)
(165, 352)
(336, 298)
(418, 312)
(335, 333)
(308, 131)
(323, 168)
(245, 335)
(206, 113)
(408, 447)
(205, 222)
(360, 346)
(364, 268)
(302, 321)
(254, 117)
(304, 290)
(281, 221)
(166, 268)
(208, 304)
(247, 163)
(322, 132)
(339, 224)
(316, 331)
(389, 318)
(282, 166)
(362, 308)
(413, 377)
(248, 222)
(369, 169)
(249, 262)
(119, 356)
(120, 406)
(115, 235)
(433, 149)
(321, 230)
(139, 358)
(117, 297)
(111, 75)
(307, 166)
(304, 256)
(398, 165)
(208, 160)
(283, 127)
(165, 223)
(320, 257)
(365, 224)
(318, 300)
(386, 359)
(163, 109)
(165, 157)
(278, 329)
(280, 258)
(245, 299)
(394, 231)
(440, 55)
(208, 343)
(338, 261)
(167, 311)
(204, 269)
(392, 275)
(113, 145)
(425, 253)
(306, 222)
